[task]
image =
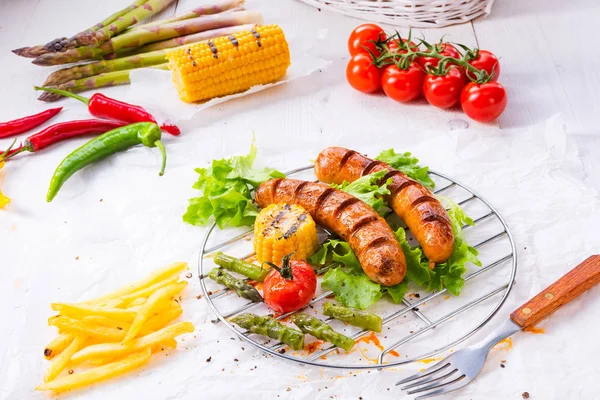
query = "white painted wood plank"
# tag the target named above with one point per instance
(549, 58)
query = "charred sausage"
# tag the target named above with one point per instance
(369, 236)
(424, 215)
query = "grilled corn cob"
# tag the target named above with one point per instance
(229, 64)
(282, 229)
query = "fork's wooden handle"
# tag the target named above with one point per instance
(568, 287)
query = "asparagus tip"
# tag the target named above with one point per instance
(49, 97)
(30, 52)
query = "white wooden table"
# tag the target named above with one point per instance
(550, 61)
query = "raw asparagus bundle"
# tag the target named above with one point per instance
(269, 326)
(242, 288)
(139, 37)
(62, 44)
(362, 319)
(249, 270)
(94, 82)
(321, 330)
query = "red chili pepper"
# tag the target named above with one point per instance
(62, 131)
(102, 106)
(21, 125)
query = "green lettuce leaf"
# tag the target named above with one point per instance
(368, 190)
(407, 164)
(335, 252)
(225, 191)
(352, 290)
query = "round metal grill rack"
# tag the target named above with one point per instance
(412, 322)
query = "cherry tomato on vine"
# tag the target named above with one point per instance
(444, 91)
(394, 45)
(447, 50)
(364, 35)
(290, 287)
(487, 61)
(403, 85)
(362, 74)
(483, 102)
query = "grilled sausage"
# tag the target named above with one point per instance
(369, 236)
(424, 215)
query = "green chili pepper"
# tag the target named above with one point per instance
(252, 271)
(321, 330)
(242, 288)
(362, 319)
(272, 328)
(120, 139)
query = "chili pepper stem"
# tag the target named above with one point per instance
(163, 152)
(7, 151)
(63, 93)
(10, 153)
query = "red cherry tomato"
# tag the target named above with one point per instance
(487, 61)
(444, 91)
(447, 51)
(362, 74)
(394, 45)
(290, 288)
(403, 85)
(483, 102)
(364, 35)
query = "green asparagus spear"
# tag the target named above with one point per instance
(219, 7)
(362, 319)
(139, 37)
(321, 330)
(187, 39)
(147, 10)
(62, 44)
(103, 66)
(94, 82)
(242, 288)
(269, 326)
(241, 267)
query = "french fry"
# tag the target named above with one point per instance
(83, 310)
(153, 278)
(118, 349)
(128, 298)
(60, 361)
(99, 373)
(108, 322)
(162, 295)
(95, 331)
(114, 303)
(160, 320)
(137, 302)
(56, 346)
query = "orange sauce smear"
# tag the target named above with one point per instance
(370, 338)
(535, 330)
(430, 360)
(314, 346)
(504, 344)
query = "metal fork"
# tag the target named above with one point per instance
(461, 367)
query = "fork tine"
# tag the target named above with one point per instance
(437, 385)
(431, 379)
(426, 372)
(445, 389)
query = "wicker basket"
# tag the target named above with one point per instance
(409, 13)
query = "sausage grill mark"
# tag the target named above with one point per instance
(346, 157)
(326, 193)
(372, 165)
